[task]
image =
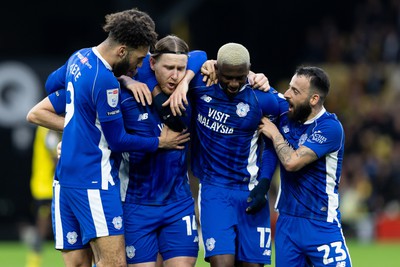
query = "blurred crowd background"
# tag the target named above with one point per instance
(357, 42)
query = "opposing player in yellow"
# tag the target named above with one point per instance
(44, 160)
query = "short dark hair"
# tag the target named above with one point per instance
(319, 79)
(131, 27)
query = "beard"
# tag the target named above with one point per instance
(300, 112)
(121, 68)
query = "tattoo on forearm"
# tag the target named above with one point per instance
(301, 152)
(283, 150)
(285, 154)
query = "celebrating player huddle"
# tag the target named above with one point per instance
(121, 191)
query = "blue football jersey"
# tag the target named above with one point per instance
(312, 192)
(160, 177)
(92, 98)
(57, 99)
(227, 150)
(155, 178)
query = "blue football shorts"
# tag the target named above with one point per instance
(303, 242)
(80, 215)
(227, 228)
(169, 229)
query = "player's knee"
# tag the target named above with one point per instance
(120, 263)
(180, 262)
(117, 262)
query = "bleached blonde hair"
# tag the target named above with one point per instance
(233, 54)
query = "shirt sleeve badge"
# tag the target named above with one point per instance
(112, 97)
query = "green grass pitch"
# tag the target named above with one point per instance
(13, 254)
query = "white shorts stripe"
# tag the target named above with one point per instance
(199, 201)
(331, 181)
(57, 217)
(96, 208)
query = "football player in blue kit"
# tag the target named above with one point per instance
(156, 196)
(157, 202)
(231, 162)
(309, 142)
(87, 207)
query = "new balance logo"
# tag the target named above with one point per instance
(206, 98)
(285, 129)
(267, 252)
(143, 117)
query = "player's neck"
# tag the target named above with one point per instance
(106, 50)
(314, 113)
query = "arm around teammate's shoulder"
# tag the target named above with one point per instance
(268, 104)
(49, 112)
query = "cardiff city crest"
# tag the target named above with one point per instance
(242, 109)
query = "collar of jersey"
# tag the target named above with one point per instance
(241, 89)
(322, 111)
(97, 53)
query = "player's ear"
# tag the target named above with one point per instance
(314, 99)
(152, 62)
(122, 51)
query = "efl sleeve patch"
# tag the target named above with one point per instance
(112, 97)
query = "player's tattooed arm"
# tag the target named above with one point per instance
(291, 159)
(294, 160)
(283, 150)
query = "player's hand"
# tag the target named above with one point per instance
(178, 100)
(174, 122)
(268, 128)
(209, 72)
(172, 140)
(259, 81)
(139, 90)
(258, 196)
